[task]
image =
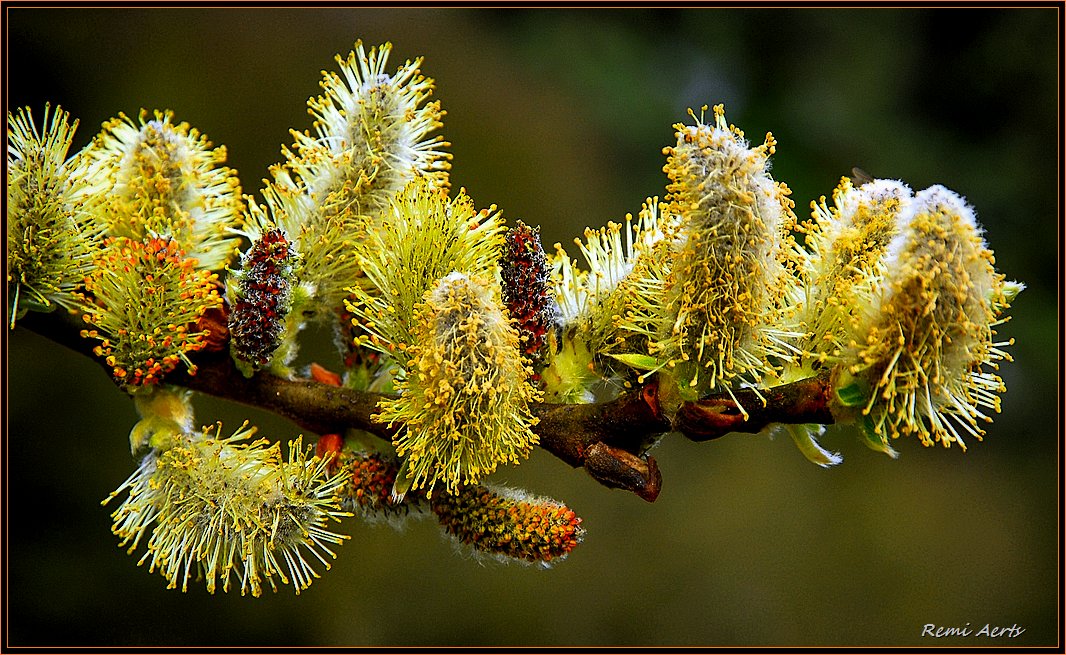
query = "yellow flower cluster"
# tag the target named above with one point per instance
(224, 510)
(893, 295)
(464, 401)
(143, 300)
(891, 300)
(423, 236)
(371, 138)
(701, 286)
(727, 281)
(371, 133)
(50, 237)
(923, 345)
(157, 178)
(612, 308)
(842, 257)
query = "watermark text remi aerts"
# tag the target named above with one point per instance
(968, 630)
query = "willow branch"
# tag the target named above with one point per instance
(608, 439)
(748, 410)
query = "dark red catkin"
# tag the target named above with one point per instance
(526, 291)
(263, 297)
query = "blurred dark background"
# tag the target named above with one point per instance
(559, 117)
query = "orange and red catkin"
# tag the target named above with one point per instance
(145, 301)
(524, 275)
(263, 298)
(369, 490)
(508, 524)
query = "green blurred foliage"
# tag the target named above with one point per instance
(559, 117)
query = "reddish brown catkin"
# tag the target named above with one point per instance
(524, 273)
(263, 298)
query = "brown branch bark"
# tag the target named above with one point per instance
(803, 401)
(608, 439)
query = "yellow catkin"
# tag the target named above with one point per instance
(844, 243)
(158, 178)
(424, 235)
(926, 346)
(610, 306)
(371, 137)
(230, 512)
(728, 279)
(464, 405)
(146, 299)
(50, 238)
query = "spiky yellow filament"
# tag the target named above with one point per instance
(371, 133)
(423, 237)
(612, 308)
(370, 139)
(844, 247)
(620, 261)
